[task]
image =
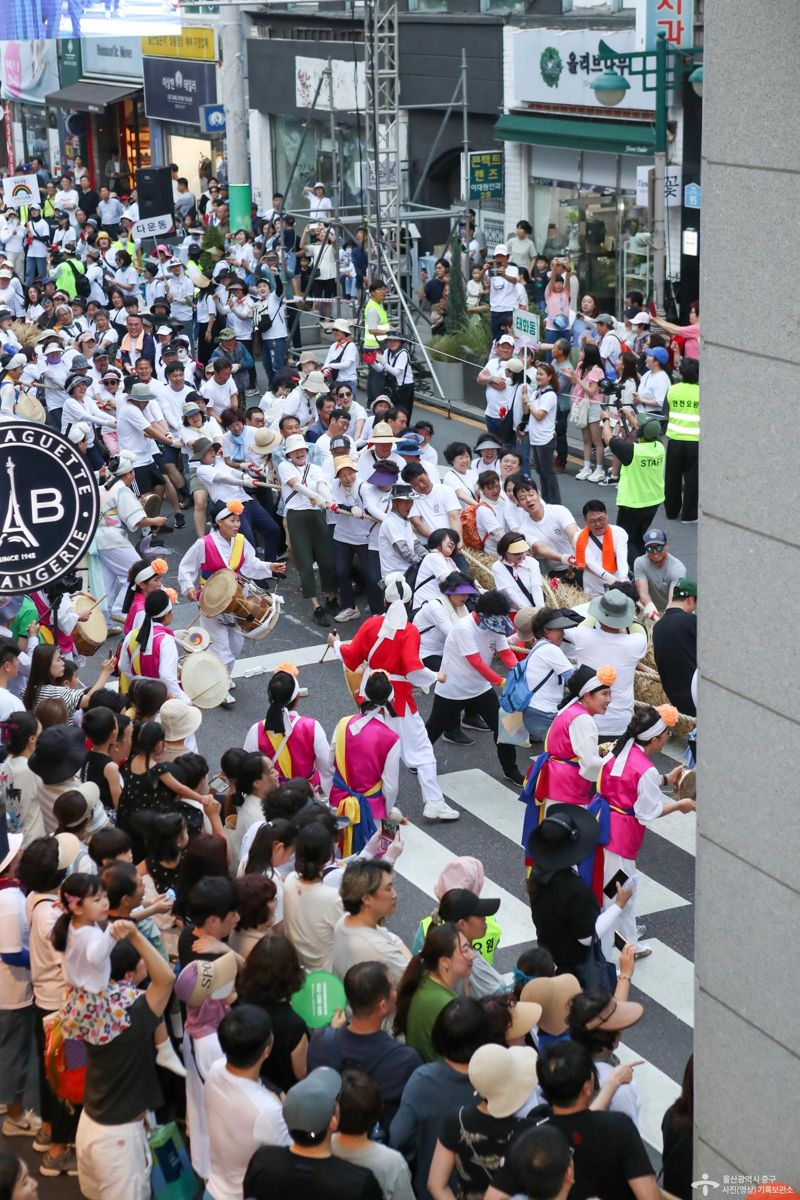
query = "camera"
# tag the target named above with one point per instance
(610, 387)
(67, 585)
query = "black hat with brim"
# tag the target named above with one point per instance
(566, 835)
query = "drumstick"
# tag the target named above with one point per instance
(94, 606)
(328, 648)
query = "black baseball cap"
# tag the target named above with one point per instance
(460, 903)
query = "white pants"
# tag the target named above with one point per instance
(626, 922)
(416, 751)
(116, 561)
(226, 640)
(114, 1161)
(199, 1055)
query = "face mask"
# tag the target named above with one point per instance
(53, 358)
(182, 356)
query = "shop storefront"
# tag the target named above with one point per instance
(29, 70)
(180, 77)
(577, 170)
(103, 110)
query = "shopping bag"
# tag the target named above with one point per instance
(511, 730)
(172, 1177)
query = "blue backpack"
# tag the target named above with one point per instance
(516, 695)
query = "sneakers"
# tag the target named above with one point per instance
(42, 1141)
(348, 614)
(437, 810)
(584, 474)
(322, 617)
(597, 475)
(179, 519)
(64, 1164)
(229, 701)
(694, 522)
(608, 481)
(476, 722)
(457, 737)
(514, 776)
(643, 952)
(25, 1126)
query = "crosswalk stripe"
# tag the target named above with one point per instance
(656, 1092)
(678, 828)
(423, 860)
(668, 978)
(490, 801)
(260, 664)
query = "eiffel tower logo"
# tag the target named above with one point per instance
(14, 528)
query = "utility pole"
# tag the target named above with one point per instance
(659, 177)
(233, 74)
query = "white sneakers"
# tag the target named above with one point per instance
(584, 474)
(348, 614)
(597, 476)
(437, 810)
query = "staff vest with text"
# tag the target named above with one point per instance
(641, 483)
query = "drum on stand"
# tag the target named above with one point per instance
(88, 635)
(204, 679)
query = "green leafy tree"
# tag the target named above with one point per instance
(455, 318)
(212, 249)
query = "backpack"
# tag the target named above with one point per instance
(64, 1062)
(469, 526)
(82, 285)
(516, 695)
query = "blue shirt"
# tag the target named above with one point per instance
(431, 1092)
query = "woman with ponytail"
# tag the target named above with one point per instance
(20, 732)
(428, 985)
(271, 853)
(364, 761)
(143, 578)
(256, 778)
(630, 788)
(297, 745)
(149, 651)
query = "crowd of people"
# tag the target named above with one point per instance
(178, 924)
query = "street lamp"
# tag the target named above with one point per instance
(659, 69)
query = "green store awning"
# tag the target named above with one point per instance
(611, 137)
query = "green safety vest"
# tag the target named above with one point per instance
(370, 341)
(485, 946)
(641, 484)
(684, 412)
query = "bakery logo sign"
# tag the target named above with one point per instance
(49, 505)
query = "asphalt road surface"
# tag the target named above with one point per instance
(490, 822)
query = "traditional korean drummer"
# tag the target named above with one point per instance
(149, 651)
(224, 547)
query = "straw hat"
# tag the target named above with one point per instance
(553, 994)
(343, 463)
(524, 1015)
(179, 720)
(504, 1076)
(266, 440)
(314, 382)
(382, 435)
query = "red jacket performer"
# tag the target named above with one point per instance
(391, 643)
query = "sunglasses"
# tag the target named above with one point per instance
(656, 549)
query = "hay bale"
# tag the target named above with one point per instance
(480, 566)
(560, 594)
(27, 335)
(647, 689)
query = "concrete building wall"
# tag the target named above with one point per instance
(748, 886)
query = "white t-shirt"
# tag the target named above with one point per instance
(496, 399)
(42, 911)
(552, 529)
(512, 580)
(310, 913)
(652, 391)
(503, 292)
(434, 620)
(309, 476)
(360, 944)
(242, 1115)
(593, 582)
(468, 482)
(611, 348)
(596, 648)
(546, 657)
(388, 1166)
(131, 424)
(9, 703)
(542, 432)
(219, 396)
(432, 569)
(462, 681)
(395, 529)
(433, 508)
(15, 982)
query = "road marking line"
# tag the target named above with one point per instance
(260, 664)
(656, 1091)
(424, 859)
(495, 804)
(668, 978)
